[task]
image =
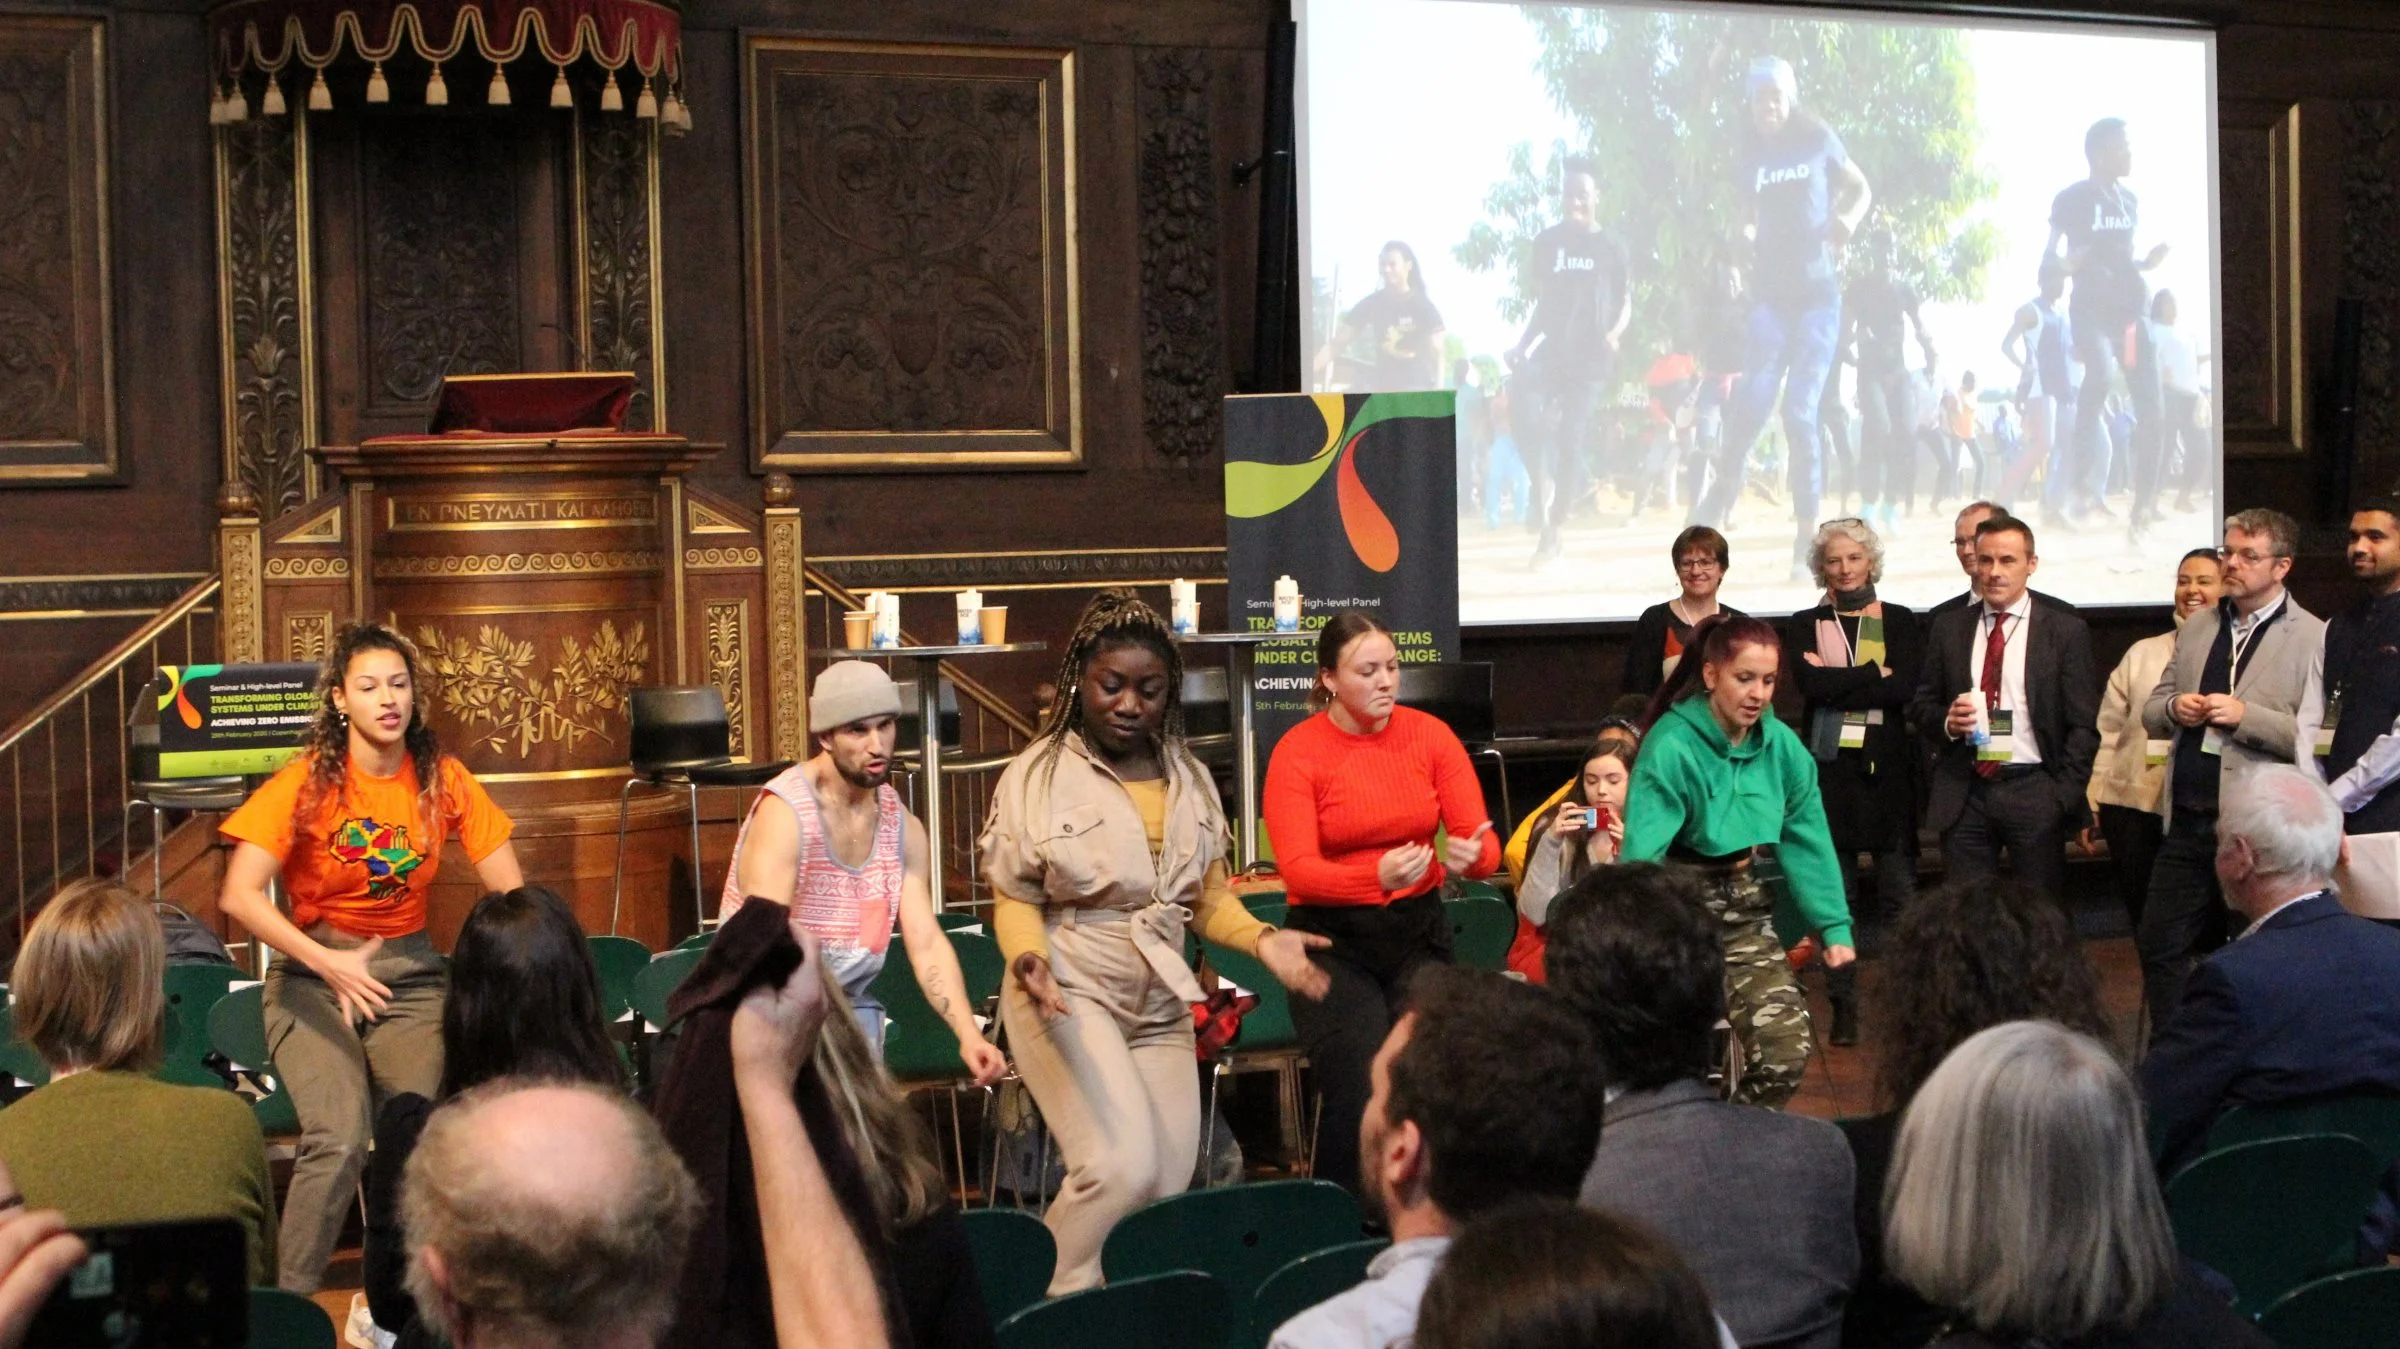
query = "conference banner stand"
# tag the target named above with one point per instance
(1355, 498)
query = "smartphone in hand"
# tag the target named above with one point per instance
(174, 1285)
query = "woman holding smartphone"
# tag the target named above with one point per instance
(1586, 830)
(1354, 796)
(354, 828)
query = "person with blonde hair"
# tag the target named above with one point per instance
(105, 1141)
(2023, 1203)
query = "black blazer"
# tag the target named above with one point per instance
(1646, 654)
(2059, 683)
(1870, 797)
(2307, 1005)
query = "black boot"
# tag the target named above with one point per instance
(1841, 989)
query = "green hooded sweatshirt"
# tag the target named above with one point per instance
(1692, 786)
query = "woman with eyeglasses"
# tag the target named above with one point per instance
(1662, 632)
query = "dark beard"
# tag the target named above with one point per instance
(864, 781)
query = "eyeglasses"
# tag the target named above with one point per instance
(1698, 564)
(2249, 555)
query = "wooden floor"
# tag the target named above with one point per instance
(1839, 1082)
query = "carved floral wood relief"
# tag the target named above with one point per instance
(441, 254)
(493, 691)
(617, 260)
(57, 416)
(910, 213)
(1183, 331)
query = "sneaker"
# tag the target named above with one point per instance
(359, 1329)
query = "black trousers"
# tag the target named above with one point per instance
(2133, 838)
(2184, 918)
(1376, 950)
(2017, 811)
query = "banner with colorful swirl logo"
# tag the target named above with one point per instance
(1355, 497)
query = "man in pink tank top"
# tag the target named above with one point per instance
(830, 838)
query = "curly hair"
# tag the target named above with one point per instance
(1116, 617)
(327, 746)
(1970, 955)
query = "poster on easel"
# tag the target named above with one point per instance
(231, 720)
(1355, 498)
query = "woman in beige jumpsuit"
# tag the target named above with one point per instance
(1106, 837)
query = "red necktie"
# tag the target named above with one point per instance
(1995, 658)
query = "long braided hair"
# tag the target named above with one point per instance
(1116, 617)
(328, 744)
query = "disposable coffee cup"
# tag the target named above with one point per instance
(995, 624)
(858, 628)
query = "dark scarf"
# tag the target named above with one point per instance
(724, 1301)
(1850, 602)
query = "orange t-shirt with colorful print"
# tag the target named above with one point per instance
(363, 858)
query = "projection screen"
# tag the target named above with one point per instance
(1756, 269)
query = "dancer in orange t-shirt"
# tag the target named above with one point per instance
(354, 828)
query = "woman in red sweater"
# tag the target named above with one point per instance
(1353, 797)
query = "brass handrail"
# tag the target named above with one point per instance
(201, 592)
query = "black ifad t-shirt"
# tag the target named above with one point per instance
(1789, 178)
(1579, 277)
(1399, 324)
(2100, 222)
(1879, 307)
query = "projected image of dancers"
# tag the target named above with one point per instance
(1804, 198)
(1754, 271)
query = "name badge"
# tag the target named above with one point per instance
(2333, 719)
(2157, 752)
(2001, 746)
(1854, 730)
(2212, 741)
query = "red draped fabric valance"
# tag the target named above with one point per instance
(252, 37)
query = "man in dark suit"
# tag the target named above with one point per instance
(1962, 542)
(2006, 706)
(1758, 1202)
(2306, 1002)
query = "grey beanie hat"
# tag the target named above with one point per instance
(848, 691)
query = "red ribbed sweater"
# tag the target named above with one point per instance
(1336, 803)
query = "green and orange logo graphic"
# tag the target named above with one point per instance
(179, 697)
(382, 849)
(1254, 489)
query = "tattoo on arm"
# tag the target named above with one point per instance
(935, 994)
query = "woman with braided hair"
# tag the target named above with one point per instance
(354, 827)
(1106, 837)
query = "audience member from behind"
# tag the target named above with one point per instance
(1485, 1091)
(1585, 830)
(1757, 1201)
(1720, 776)
(2021, 1203)
(105, 1141)
(2305, 1003)
(1965, 957)
(1542, 1274)
(524, 1003)
(544, 1214)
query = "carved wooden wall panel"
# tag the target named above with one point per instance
(2262, 380)
(446, 246)
(913, 300)
(267, 324)
(1183, 329)
(57, 402)
(441, 234)
(2370, 135)
(616, 176)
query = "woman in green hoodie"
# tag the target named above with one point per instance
(1719, 776)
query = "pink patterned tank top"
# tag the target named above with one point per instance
(845, 906)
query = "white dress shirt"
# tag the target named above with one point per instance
(2375, 770)
(2012, 673)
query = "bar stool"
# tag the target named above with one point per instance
(681, 738)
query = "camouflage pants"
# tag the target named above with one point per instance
(1763, 999)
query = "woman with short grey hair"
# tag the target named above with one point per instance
(1856, 658)
(2022, 1200)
